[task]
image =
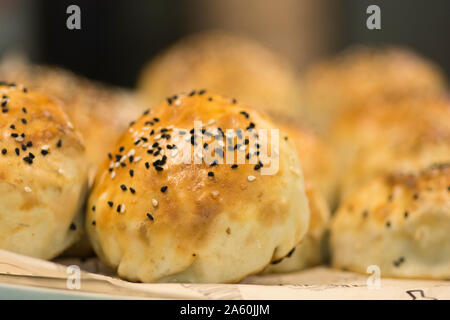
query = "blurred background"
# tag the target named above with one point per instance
(118, 37)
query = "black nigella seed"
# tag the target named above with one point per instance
(245, 114)
(110, 204)
(131, 172)
(24, 121)
(94, 223)
(4, 151)
(211, 174)
(59, 143)
(234, 166)
(132, 190)
(169, 100)
(93, 208)
(163, 189)
(73, 226)
(121, 149)
(150, 217)
(17, 150)
(123, 187)
(29, 144)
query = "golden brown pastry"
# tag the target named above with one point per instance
(400, 136)
(156, 215)
(363, 74)
(226, 63)
(398, 222)
(100, 113)
(316, 159)
(319, 173)
(43, 175)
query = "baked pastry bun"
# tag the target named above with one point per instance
(235, 66)
(399, 222)
(319, 174)
(179, 200)
(99, 112)
(43, 175)
(405, 135)
(362, 74)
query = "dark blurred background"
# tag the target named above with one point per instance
(118, 37)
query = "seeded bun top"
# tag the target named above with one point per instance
(206, 219)
(398, 222)
(99, 112)
(43, 174)
(222, 62)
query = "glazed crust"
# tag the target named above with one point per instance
(225, 63)
(213, 223)
(398, 222)
(43, 175)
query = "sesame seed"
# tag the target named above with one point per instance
(251, 178)
(27, 189)
(155, 202)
